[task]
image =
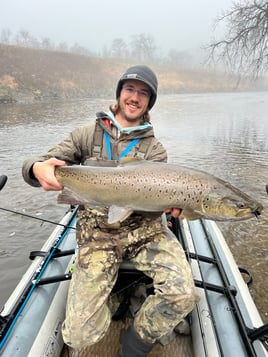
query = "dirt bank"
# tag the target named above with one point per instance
(28, 75)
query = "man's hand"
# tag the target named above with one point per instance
(175, 212)
(44, 173)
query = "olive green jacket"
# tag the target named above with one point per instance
(79, 146)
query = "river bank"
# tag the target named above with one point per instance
(28, 75)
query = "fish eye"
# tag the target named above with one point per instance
(241, 205)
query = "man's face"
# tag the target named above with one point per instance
(133, 101)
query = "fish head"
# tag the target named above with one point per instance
(230, 207)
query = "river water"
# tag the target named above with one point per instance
(225, 134)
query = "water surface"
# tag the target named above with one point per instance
(225, 134)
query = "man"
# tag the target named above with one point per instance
(142, 238)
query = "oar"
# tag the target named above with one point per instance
(3, 180)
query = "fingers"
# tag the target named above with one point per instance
(175, 212)
(55, 162)
(44, 173)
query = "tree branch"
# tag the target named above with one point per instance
(244, 48)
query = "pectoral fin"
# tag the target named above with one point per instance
(69, 197)
(118, 214)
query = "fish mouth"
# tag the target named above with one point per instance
(256, 213)
(247, 213)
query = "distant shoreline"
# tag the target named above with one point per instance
(31, 75)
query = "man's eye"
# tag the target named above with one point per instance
(144, 93)
(128, 89)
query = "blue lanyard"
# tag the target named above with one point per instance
(108, 145)
(128, 148)
(124, 152)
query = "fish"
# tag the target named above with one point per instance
(149, 186)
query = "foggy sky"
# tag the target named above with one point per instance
(183, 25)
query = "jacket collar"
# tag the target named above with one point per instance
(144, 125)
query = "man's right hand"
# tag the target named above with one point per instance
(44, 173)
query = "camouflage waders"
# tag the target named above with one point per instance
(153, 249)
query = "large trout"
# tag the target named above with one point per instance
(154, 187)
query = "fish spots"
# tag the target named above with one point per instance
(206, 203)
(154, 187)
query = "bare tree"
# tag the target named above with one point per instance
(143, 47)
(24, 38)
(47, 44)
(244, 48)
(5, 36)
(63, 47)
(119, 48)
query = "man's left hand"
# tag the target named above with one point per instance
(175, 212)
